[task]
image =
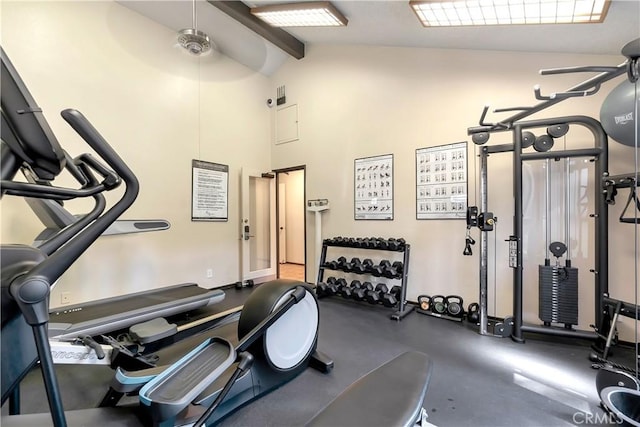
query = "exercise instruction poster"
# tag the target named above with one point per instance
(441, 182)
(210, 191)
(374, 187)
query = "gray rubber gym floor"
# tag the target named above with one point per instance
(476, 381)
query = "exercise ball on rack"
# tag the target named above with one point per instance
(618, 114)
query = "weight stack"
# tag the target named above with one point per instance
(558, 294)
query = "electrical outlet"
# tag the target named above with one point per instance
(209, 273)
(65, 298)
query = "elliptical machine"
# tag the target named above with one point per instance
(278, 326)
(278, 332)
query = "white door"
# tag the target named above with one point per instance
(282, 223)
(258, 219)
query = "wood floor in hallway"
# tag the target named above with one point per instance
(292, 271)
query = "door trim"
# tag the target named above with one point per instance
(245, 270)
(303, 168)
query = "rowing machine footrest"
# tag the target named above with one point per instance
(170, 392)
(390, 395)
(152, 330)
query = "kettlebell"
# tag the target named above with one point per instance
(455, 306)
(473, 313)
(425, 302)
(438, 304)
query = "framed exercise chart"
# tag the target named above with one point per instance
(209, 191)
(441, 182)
(373, 187)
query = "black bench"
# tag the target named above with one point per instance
(390, 395)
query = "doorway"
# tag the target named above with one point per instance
(290, 223)
(258, 221)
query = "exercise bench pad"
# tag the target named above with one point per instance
(390, 395)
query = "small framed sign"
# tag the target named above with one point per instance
(209, 191)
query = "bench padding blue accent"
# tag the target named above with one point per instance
(391, 395)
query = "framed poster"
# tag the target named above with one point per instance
(441, 182)
(209, 191)
(373, 187)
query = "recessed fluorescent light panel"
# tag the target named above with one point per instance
(306, 14)
(454, 13)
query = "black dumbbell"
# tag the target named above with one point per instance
(396, 291)
(332, 287)
(399, 266)
(342, 287)
(380, 243)
(334, 265)
(388, 299)
(357, 266)
(244, 284)
(354, 286)
(326, 289)
(396, 244)
(369, 243)
(368, 265)
(321, 289)
(343, 264)
(381, 288)
(346, 291)
(372, 297)
(360, 293)
(388, 270)
(372, 243)
(375, 270)
(375, 296)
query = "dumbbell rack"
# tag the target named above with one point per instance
(403, 309)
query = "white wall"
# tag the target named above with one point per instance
(358, 101)
(159, 108)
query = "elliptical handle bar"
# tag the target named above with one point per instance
(31, 285)
(85, 129)
(61, 260)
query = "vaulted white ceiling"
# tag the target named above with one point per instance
(393, 23)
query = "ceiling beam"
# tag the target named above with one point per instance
(242, 13)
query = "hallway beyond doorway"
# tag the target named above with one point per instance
(292, 271)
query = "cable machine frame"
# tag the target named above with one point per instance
(515, 124)
(599, 153)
